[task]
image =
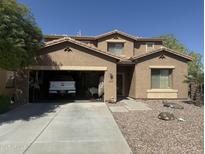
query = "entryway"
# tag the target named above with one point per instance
(120, 84)
(124, 78)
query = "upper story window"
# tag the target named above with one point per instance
(116, 48)
(149, 46)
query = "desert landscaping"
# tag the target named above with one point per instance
(146, 133)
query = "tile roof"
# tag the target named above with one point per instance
(136, 38)
(69, 39)
(117, 32)
(121, 59)
(163, 49)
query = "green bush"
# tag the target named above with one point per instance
(4, 104)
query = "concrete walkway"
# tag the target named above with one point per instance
(127, 105)
(72, 128)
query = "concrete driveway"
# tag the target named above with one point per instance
(72, 128)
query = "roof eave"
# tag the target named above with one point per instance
(93, 38)
(126, 62)
(149, 39)
(68, 39)
(188, 58)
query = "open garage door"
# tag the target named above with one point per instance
(52, 85)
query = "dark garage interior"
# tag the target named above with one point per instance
(40, 81)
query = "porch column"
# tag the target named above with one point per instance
(110, 83)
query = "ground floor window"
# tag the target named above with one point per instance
(161, 78)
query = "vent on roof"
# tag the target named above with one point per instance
(115, 37)
(67, 49)
(79, 33)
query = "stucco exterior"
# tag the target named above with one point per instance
(79, 56)
(128, 50)
(140, 47)
(143, 75)
(82, 53)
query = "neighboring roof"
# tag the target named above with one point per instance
(74, 37)
(68, 39)
(185, 56)
(83, 37)
(150, 39)
(54, 36)
(136, 38)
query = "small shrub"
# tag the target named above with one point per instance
(4, 104)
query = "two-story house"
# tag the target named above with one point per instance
(132, 66)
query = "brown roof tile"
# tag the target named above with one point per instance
(162, 49)
(64, 39)
(136, 38)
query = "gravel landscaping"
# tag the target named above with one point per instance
(145, 133)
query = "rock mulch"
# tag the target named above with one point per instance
(173, 105)
(146, 134)
(166, 116)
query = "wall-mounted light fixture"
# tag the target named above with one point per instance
(115, 37)
(111, 76)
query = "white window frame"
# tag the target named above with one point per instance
(153, 45)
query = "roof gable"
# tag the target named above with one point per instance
(182, 55)
(78, 43)
(116, 32)
(68, 39)
(135, 38)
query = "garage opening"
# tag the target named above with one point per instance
(66, 85)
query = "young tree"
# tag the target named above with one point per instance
(196, 76)
(171, 42)
(195, 67)
(20, 37)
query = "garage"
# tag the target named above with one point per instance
(67, 58)
(52, 85)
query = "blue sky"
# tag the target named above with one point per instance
(146, 18)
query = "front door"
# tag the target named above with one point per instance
(120, 84)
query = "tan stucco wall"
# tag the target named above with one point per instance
(78, 56)
(3, 81)
(132, 91)
(140, 47)
(142, 75)
(128, 44)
